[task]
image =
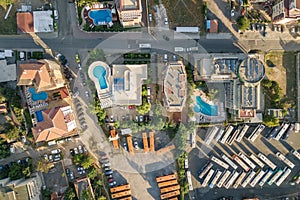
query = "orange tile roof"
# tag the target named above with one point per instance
(38, 72)
(52, 127)
(25, 22)
(64, 93)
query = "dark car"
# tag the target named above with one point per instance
(108, 172)
(72, 152)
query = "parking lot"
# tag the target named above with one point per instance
(200, 155)
(55, 180)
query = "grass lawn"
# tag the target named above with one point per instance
(284, 71)
(8, 26)
(184, 13)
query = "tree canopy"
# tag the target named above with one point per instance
(243, 23)
(70, 194)
(270, 121)
(144, 108)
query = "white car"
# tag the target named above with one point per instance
(232, 13)
(55, 151)
(135, 144)
(87, 94)
(166, 21)
(150, 17)
(80, 149)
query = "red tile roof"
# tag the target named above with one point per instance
(25, 22)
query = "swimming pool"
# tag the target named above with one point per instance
(39, 116)
(100, 17)
(38, 96)
(205, 108)
(100, 73)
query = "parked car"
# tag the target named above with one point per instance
(72, 153)
(125, 146)
(107, 168)
(141, 118)
(87, 94)
(55, 151)
(45, 156)
(75, 94)
(150, 17)
(80, 149)
(135, 144)
(76, 151)
(112, 184)
(111, 180)
(77, 58)
(166, 21)
(107, 173)
(106, 164)
(50, 158)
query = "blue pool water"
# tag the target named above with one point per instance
(39, 116)
(205, 108)
(100, 16)
(100, 73)
(38, 96)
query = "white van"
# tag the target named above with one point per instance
(166, 57)
(148, 91)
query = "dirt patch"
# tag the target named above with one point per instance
(184, 13)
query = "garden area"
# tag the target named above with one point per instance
(282, 64)
(136, 58)
(184, 187)
(15, 171)
(9, 25)
(16, 124)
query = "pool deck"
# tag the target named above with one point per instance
(105, 99)
(221, 113)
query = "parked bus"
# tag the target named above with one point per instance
(266, 178)
(285, 160)
(275, 176)
(215, 178)
(219, 134)
(169, 189)
(170, 194)
(145, 46)
(257, 178)
(220, 162)
(231, 180)
(211, 134)
(257, 161)
(208, 177)
(296, 154)
(227, 134)
(121, 194)
(248, 179)
(234, 136)
(224, 176)
(267, 161)
(189, 179)
(229, 161)
(167, 183)
(178, 49)
(285, 174)
(242, 133)
(274, 132)
(247, 160)
(120, 188)
(281, 132)
(240, 162)
(239, 180)
(288, 132)
(165, 178)
(256, 132)
(205, 169)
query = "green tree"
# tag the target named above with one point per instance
(15, 171)
(102, 198)
(87, 161)
(144, 108)
(70, 194)
(243, 23)
(26, 172)
(92, 174)
(77, 159)
(4, 149)
(43, 166)
(46, 194)
(86, 195)
(13, 133)
(270, 121)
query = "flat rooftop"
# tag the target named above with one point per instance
(175, 86)
(127, 84)
(129, 4)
